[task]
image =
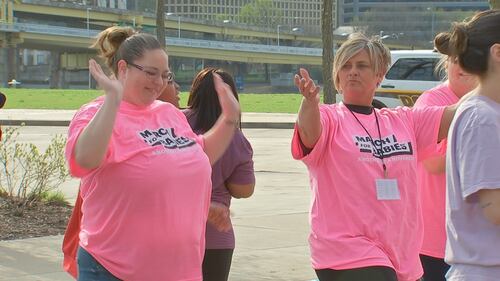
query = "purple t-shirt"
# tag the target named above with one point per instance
(473, 158)
(235, 166)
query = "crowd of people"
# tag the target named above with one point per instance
(397, 193)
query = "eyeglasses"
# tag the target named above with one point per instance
(153, 73)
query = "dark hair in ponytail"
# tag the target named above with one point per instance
(123, 43)
(470, 41)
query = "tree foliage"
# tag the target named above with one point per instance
(260, 13)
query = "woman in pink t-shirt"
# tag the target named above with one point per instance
(431, 171)
(365, 214)
(145, 175)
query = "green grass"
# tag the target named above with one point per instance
(73, 99)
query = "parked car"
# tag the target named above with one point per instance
(410, 74)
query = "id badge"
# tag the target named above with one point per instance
(387, 189)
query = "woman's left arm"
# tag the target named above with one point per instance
(220, 135)
(240, 190)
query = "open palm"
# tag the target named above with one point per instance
(112, 87)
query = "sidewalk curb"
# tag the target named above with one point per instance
(65, 123)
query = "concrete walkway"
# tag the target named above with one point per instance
(46, 117)
(271, 227)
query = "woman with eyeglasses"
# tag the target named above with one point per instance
(145, 176)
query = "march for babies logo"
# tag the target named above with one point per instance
(386, 147)
(165, 137)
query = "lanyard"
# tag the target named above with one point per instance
(384, 167)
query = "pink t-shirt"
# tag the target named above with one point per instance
(433, 186)
(350, 227)
(145, 208)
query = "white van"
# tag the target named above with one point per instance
(410, 74)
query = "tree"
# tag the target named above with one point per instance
(261, 13)
(327, 37)
(495, 4)
(160, 22)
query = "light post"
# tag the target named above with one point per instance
(279, 26)
(88, 35)
(224, 34)
(433, 16)
(178, 24)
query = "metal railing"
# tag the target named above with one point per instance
(171, 41)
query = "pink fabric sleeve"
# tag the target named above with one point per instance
(314, 156)
(426, 123)
(78, 123)
(428, 99)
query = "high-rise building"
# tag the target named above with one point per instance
(350, 10)
(302, 15)
(411, 21)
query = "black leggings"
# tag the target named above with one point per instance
(434, 268)
(371, 273)
(216, 264)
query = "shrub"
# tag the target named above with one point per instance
(26, 174)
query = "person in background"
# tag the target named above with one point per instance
(365, 214)
(473, 153)
(171, 93)
(232, 175)
(145, 175)
(431, 176)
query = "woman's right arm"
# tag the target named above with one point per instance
(308, 121)
(92, 143)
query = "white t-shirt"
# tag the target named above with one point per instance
(472, 164)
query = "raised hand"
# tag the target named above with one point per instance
(112, 87)
(306, 86)
(218, 216)
(229, 105)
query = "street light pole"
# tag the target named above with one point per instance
(279, 25)
(178, 23)
(88, 35)
(433, 16)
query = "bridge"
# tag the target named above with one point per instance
(70, 29)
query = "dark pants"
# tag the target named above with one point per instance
(216, 264)
(371, 273)
(89, 269)
(434, 268)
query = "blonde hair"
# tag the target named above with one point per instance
(123, 43)
(379, 54)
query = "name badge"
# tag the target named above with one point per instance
(387, 189)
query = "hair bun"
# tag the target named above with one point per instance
(442, 43)
(117, 35)
(459, 39)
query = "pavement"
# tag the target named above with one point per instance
(46, 117)
(271, 227)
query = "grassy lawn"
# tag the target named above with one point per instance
(73, 99)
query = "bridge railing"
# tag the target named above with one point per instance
(184, 42)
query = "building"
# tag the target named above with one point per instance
(290, 15)
(409, 20)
